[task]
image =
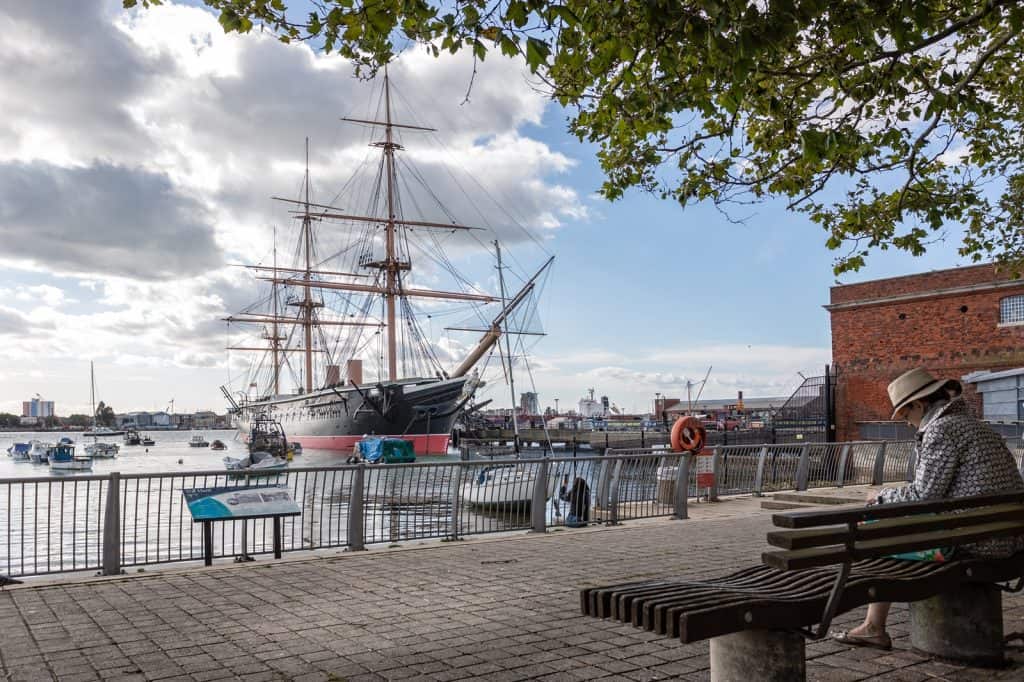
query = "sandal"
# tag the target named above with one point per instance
(883, 641)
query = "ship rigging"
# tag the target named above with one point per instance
(417, 394)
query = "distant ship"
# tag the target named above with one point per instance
(373, 310)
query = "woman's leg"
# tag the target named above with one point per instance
(874, 623)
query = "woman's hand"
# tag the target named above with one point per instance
(871, 499)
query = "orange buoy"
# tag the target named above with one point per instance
(688, 434)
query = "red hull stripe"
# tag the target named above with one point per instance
(423, 444)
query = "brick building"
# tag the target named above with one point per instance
(951, 322)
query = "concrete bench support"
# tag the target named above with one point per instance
(965, 626)
(768, 655)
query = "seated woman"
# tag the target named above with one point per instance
(957, 456)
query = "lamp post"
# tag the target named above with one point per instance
(556, 407)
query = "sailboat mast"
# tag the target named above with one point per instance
(308, 307)
(92, 393)
(508, 346)
(390, 263)
(276, 340)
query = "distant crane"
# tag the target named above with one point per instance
(170, 407)
(691, 384)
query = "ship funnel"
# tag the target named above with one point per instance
(354, 371)
(333, 375)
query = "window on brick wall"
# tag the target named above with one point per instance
(1011, 310)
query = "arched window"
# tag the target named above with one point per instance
(1011, 310)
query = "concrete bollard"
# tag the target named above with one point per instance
(762, 655)
(964, 626)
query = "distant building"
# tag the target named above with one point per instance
(37, 408)
(528, 403)
(204, 420)
(1002, 395)
(951, 322)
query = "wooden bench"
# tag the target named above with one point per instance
(831, 562)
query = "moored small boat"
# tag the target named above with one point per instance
(102, 450)
(131, 437)
(63, 458)
(505, 486)
(256, 464)
(198, 442)
(20, 451)
(147, 441)
(218, 445)
(40, 452)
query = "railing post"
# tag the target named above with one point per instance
(716, 473)
(456, 502)
(911, 463)
(112, 527)
(878, 477)
(613, 495)
(682, 486)
(539, 506)
(844, 455)
(759, 474)
(356, 536)
(601, 494)
(803, 468)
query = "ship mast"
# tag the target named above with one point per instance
(508, 348)
(391, 265)
(307, 304)
(275, 339)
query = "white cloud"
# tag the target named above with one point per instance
(138, 152)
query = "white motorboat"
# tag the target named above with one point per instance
(505, 486)
(39, 452)
(102, 450)
(198, 442)
(100, 431)
(257, 463)
(63, 458)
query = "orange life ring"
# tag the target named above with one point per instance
(688, 434)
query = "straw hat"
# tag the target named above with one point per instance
(916, 384)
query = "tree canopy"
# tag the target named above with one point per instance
(105, 414)
(885, 122)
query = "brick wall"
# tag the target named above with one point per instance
(874, 340)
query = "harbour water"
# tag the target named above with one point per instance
(171, 446)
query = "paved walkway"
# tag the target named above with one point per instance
(494, 609)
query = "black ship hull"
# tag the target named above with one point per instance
(336, 418)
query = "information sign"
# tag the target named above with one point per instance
(238, 502)
(705, 471)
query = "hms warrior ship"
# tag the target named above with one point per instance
(373, 309)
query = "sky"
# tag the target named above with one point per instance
(139, 151)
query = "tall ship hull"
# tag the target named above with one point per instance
(336, 418)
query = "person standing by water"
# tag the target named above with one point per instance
(563, 494)
(957, 456)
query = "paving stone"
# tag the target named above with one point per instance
(423, 613)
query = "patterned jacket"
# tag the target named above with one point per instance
(958, 456)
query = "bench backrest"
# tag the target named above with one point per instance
(823, 538)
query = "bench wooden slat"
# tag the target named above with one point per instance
(809, 519)
(696, 610)
(824, 556)
(835, 535)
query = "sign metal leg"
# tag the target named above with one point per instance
(208, 543)
(277, 537)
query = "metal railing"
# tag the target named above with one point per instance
(114, 522)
